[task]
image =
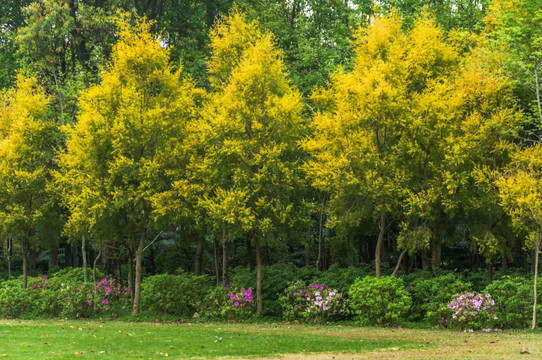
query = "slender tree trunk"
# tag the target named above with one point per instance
(436, 257)
(25, 263)
(75, 256)
(379, 242)
(199, 257)
(537, 251)
(399, 261)
(308, 246)
(490, 273)
(425, 260)
(320, 236)
(84, 254)
(94, 275)
(10, 243)
(538, 101)
(68, 255)
(504, 265)
(53, 258)
(259, 305)
(249, 252)
(224, 257)
(31, 259)
(138, 270)
(96, 263)
(217, 265)
(131, 273)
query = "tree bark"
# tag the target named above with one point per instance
(31, 259)
(84, 254)
(249, 253)
(224, 257)
(436, 258)
(399, 261)
(131, 272)
(53, 258)
(379, 242)
(75, 256)
(10, 245)
(198, 269)
(490, 273)
(96, 263)
(425, 261)
(537, 251)
(259, 305)
(138, 270)
(320, 236)
(25, 263)
(215, 253)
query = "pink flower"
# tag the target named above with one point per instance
(236, 303)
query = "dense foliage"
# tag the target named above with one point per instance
(266, 143)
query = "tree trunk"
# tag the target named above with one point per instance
(224, 257)
(490, 273)
(31, 259)
(138, 270)
(10, 245)
(131, 273)
(217, 265)
(68, 255)
(308, 246)
(379, 242)
(320, 235)
(96, 263)
(94, 275)
(199, 256)
(425, 260)
(84, 254)
(25, 263)
(249, 253)
(259, 305)
(53, 258)
(538, 100)
(537, 251)
(436, 258)
(504, 265)
(399, 261)
(75, 256)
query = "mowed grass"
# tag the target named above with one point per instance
(57, 339)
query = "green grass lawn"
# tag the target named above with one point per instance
(57, 339)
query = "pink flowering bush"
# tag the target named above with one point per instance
(228, 303)
(472, 311)
(314, 303)
(66, 295)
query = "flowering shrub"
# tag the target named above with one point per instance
(430, 295)
(313, 303)
(65, 297)
(228, 302)
(64, 294)
(472, 311)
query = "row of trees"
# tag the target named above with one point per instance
(421, 136)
